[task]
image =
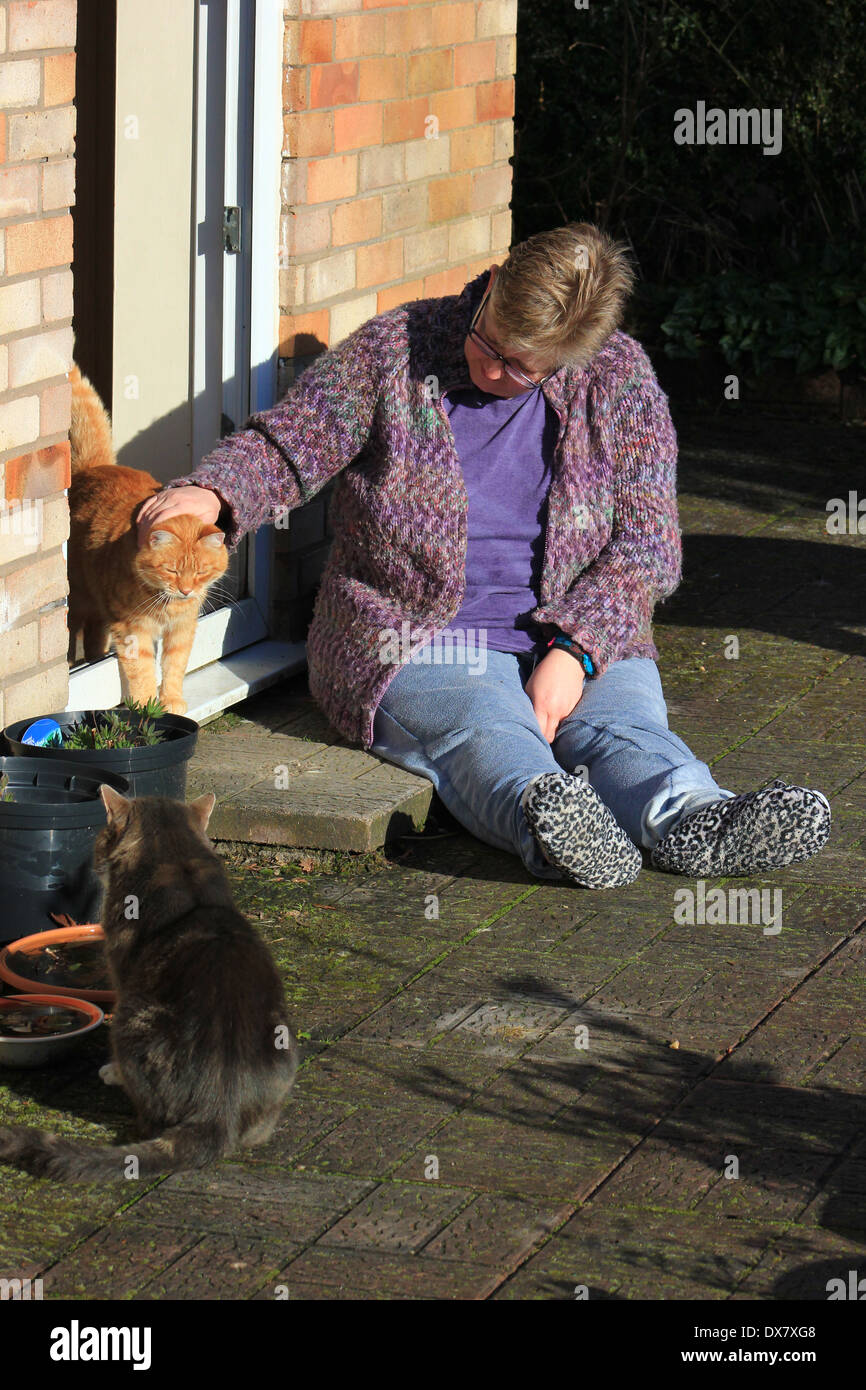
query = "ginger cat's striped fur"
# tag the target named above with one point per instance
(119, 594)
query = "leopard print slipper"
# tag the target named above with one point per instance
(767, 829)
(577, 833)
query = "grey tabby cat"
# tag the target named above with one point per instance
(200, 1039)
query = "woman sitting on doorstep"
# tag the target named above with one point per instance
(505, 521)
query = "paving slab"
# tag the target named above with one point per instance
(283, 776)
(634, 1254)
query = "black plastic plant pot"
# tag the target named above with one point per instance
(157, 770)
(47, 832)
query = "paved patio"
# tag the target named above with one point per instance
(517, 1090)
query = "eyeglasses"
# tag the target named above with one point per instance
(516, 373)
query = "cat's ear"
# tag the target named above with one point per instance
(202, 808)
(118, 807)
(214, 539)
(157, 538)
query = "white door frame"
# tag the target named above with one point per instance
(232, 655)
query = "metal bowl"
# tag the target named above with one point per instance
(38, 1050)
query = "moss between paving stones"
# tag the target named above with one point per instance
(302, 862)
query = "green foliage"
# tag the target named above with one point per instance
(5, 793)
(150, 709)
(730, 243)
(813, 318)
(110, 730)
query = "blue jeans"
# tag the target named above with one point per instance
(474, 734)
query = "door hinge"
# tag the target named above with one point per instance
(232, 229)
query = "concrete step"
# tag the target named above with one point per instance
(283, 776)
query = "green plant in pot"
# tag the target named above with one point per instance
(141, 743)
(50, 809)
(108, 729)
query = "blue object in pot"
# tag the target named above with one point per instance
(42, 733)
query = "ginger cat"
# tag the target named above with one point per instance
(120, 595)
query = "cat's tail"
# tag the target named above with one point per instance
(51, 1156)
(90, 439)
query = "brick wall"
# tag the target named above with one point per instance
(395, 186)
(37, 126)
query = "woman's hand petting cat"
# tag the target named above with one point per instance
(177, 501)
(555, 688)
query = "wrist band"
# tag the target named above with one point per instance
(575, 650)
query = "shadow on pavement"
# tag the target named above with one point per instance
(810, 591)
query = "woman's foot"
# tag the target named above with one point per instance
(576, 832)
(767, 829)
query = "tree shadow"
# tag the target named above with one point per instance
(795, 1146)
(799, 590)
(767, 463)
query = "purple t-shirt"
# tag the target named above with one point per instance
(505, 447)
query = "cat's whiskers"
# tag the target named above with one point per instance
(222, 597)
(150, 606)
(220, 590)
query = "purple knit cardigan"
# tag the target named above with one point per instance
(369, 410)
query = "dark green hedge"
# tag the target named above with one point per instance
(761, 256)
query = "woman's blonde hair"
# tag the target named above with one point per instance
(560, 294)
